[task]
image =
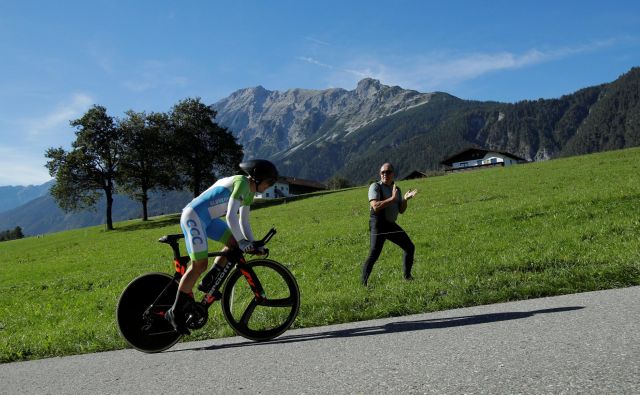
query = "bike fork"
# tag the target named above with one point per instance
(252, 279)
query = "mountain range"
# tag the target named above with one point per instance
(14, 196)
(42, 215)
(319, 134)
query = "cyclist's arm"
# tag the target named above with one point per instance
(232, 219)
(245, 226)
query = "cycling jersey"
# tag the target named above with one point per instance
(200, 219)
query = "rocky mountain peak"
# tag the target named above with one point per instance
(273, 123)
(253, 92)
(368, 87)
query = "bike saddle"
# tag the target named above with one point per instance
(170, 239)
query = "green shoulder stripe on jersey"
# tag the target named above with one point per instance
(241, 190)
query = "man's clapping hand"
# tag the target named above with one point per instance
(410, 194)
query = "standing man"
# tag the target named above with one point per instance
(386, 202)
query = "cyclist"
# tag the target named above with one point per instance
(228, 197)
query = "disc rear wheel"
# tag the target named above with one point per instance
(141, 309)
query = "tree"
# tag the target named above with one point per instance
(17, 233)
(336, 182)
(14, 234)
(202, 149)
(90, 167)
(145, 160)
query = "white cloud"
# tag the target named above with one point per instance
(22, 152)
(18, 167)
(443, 70)
(317, 41)
(39, 128)
(315, 62)
(102, 56)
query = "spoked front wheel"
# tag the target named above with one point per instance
(261, 317)
(141, 309)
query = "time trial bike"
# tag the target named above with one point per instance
(260, 299)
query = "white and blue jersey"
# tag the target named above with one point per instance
(201, 217)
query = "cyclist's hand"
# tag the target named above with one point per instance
(259, 251)
(246, 245)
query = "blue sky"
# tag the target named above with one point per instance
(57, 59)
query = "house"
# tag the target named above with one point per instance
(290, 186)
(414, 174)
(477, 158)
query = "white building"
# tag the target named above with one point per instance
(290, 186)
(476, 158)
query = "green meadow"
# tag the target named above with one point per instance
(549, 228)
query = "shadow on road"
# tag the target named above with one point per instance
(397, 327)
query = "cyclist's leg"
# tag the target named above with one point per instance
(217, 230)
(193, 229)
(398, 236)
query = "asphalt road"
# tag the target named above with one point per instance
(586, 343)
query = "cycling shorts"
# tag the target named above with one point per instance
(198, 230)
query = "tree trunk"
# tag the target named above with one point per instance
(145, 200)
(196, 186)
(109, 195)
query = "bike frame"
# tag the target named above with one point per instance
(235, 257)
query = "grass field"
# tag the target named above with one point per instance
(528, 231)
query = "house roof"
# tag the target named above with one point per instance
(475, 154)
(414, 174)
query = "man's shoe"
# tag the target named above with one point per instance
(178, 324)
(177, 314)
(408, 278)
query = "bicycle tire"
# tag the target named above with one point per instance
(153, 334)
(265, 320)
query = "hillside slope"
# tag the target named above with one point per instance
(541, 229)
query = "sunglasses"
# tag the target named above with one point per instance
(386, 172)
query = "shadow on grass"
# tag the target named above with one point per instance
(173, 219)
(398, 327)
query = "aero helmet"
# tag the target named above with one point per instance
(260, 170)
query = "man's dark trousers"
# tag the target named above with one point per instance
(381, 231)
